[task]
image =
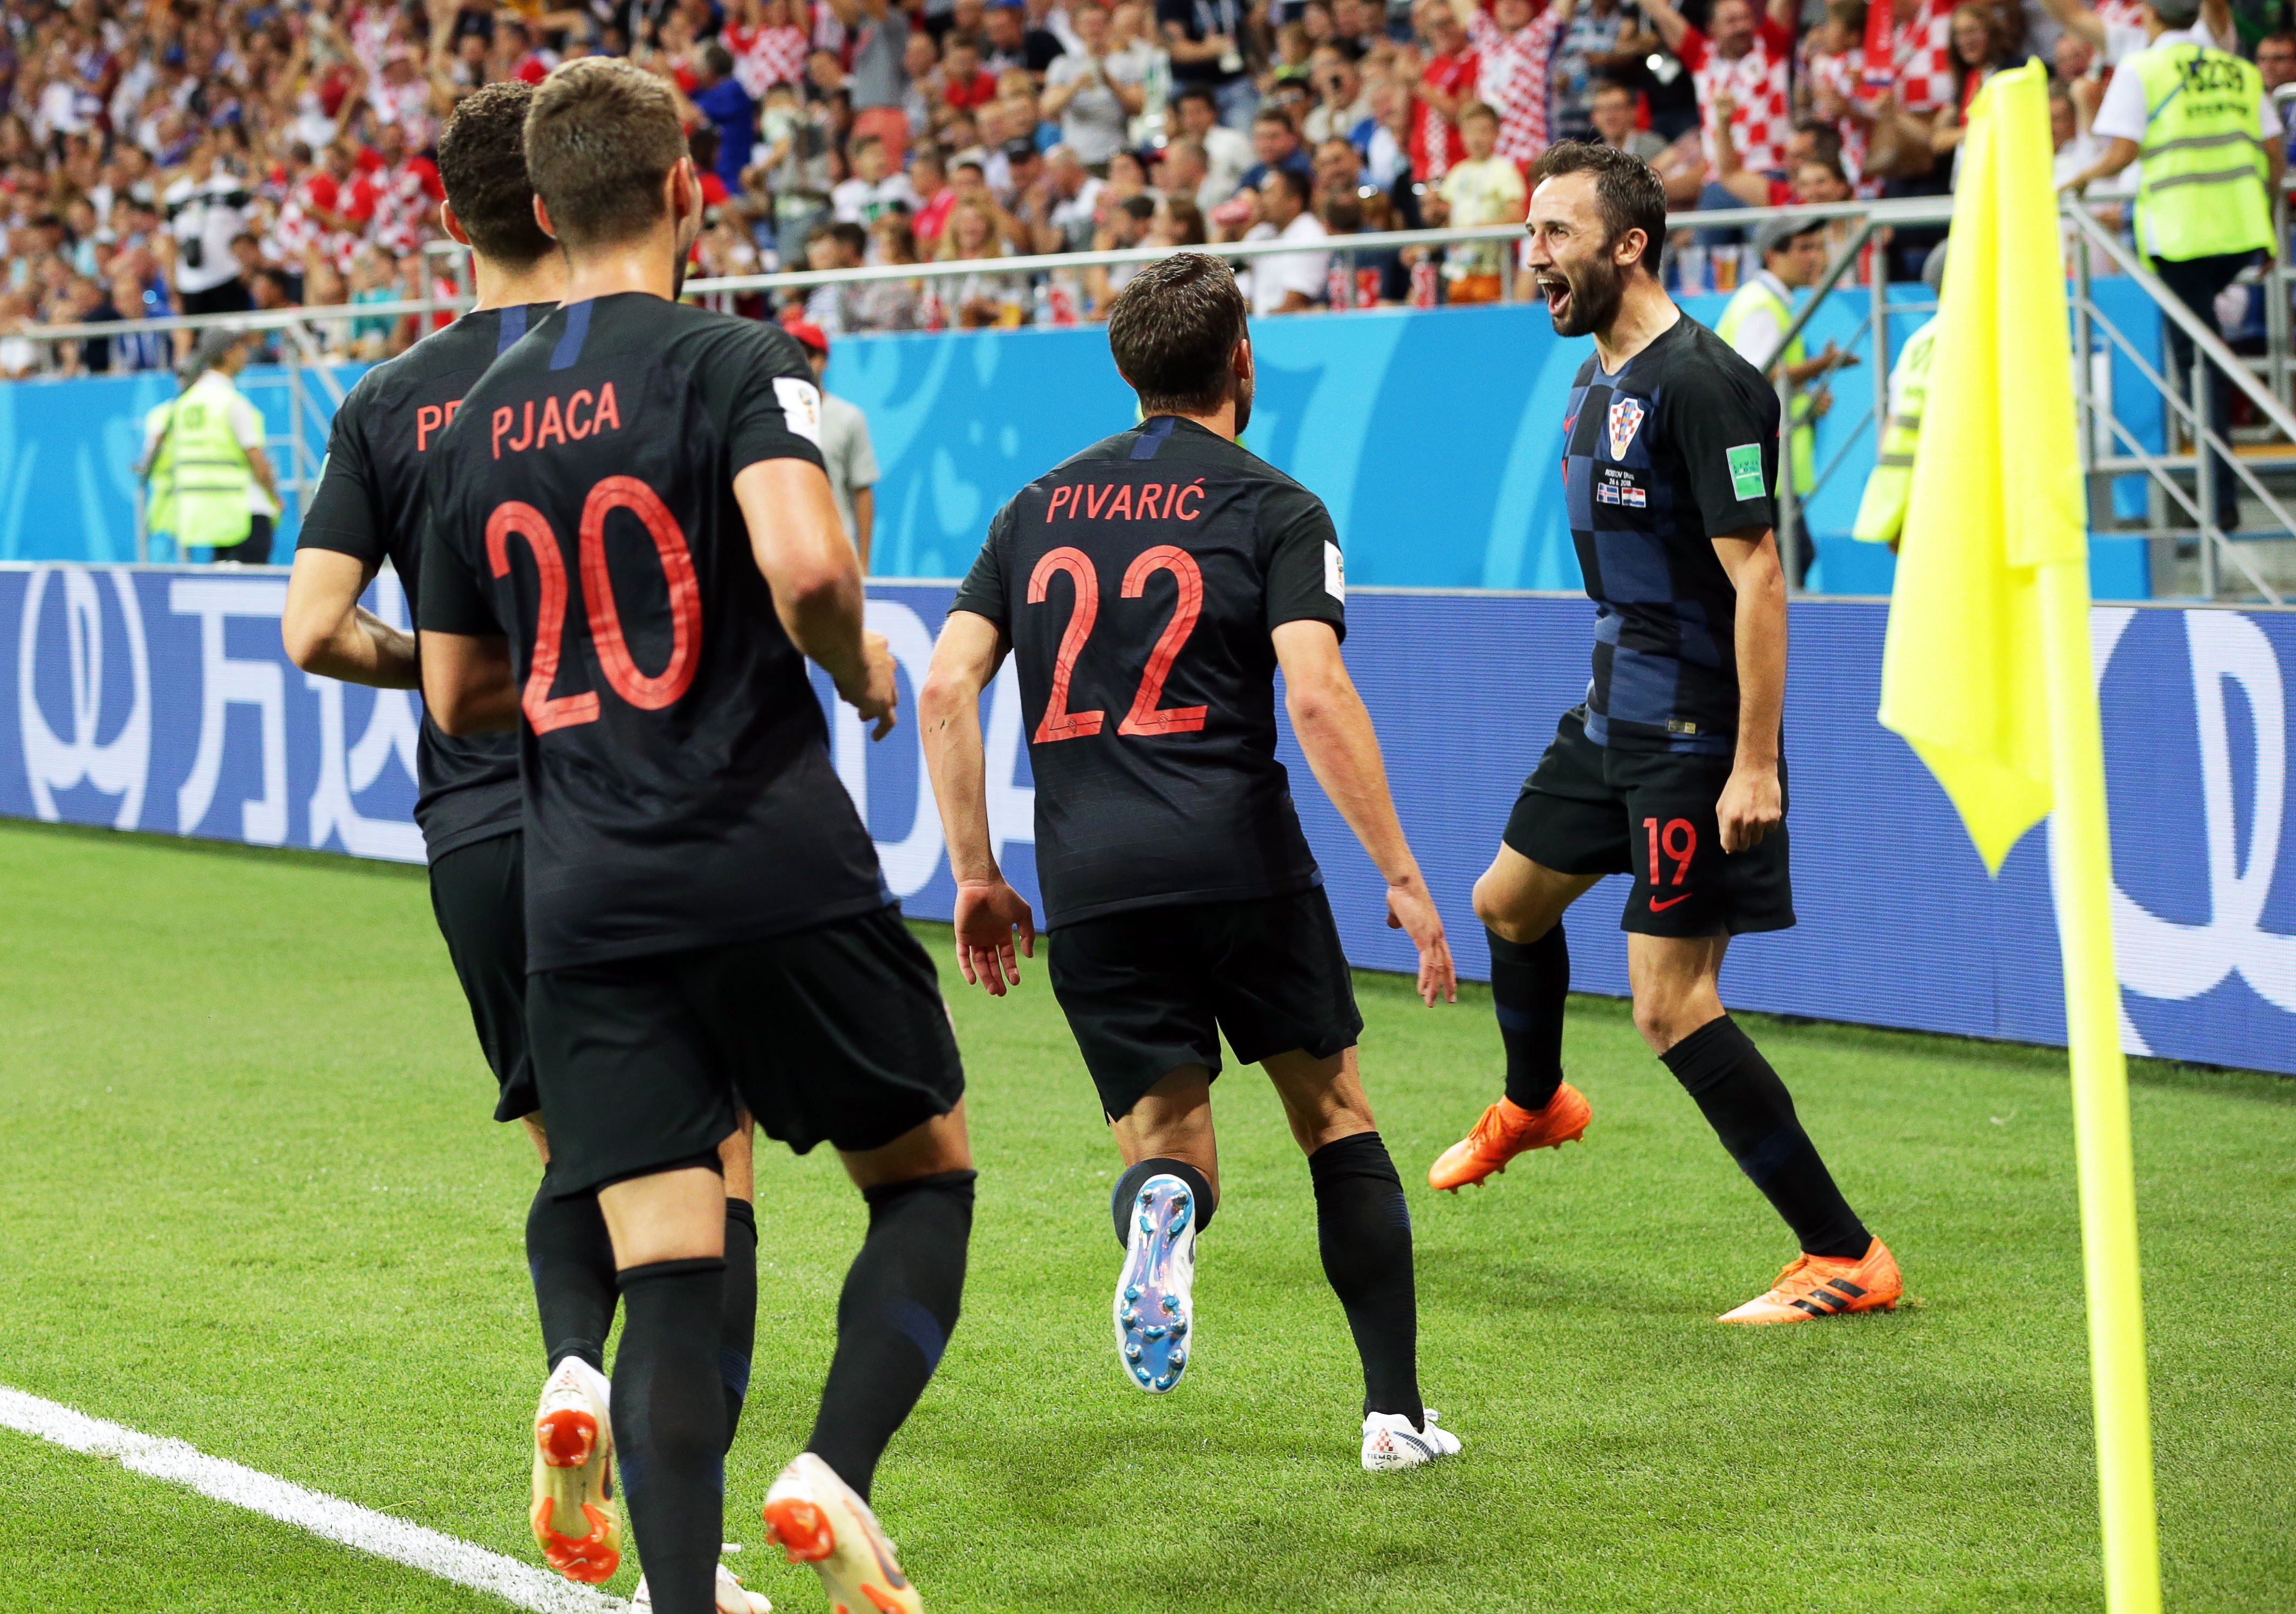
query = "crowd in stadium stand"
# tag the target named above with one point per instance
(219, 155)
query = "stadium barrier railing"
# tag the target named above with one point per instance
(2151, 440)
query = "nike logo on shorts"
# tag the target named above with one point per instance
(1657, 906)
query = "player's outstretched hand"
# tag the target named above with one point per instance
(881, 697)
(1750, 808)
(988, 915)
(1412, 911)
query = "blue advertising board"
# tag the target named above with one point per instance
(1434, 437)
(160, 698)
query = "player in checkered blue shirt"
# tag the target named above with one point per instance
(1671, 770)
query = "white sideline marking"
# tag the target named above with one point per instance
(447, 1557)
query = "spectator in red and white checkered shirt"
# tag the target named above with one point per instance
(1746, 61)
(1512, 49)
(1446, 85)
(1921, 71)
(768, 48)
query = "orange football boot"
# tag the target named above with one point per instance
(1504, 1132)
(1826, 1286)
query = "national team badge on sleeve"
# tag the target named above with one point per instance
(1626, 419)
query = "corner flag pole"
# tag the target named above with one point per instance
(1987, 673)
(2100, 1082)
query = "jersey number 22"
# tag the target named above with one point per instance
(1145, 718)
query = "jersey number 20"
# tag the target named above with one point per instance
(1145, 718)
(546, 712)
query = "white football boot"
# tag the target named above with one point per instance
(732, 1597)
(1390, 1442)
(1155, 1308)
(575, 1514)
(815, 1519)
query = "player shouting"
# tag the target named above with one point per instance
(1149, 588)
(631, 549)
(363, 513)
(1672, 769)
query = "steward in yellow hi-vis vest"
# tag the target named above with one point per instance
(1881, 513)
(207, 479)
(2202, 190)
(2196, 116)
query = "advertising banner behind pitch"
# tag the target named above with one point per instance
(160, 700)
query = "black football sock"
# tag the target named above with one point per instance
(1126, 1198)
(571, 1261)
(894, 1319)
(1363, 1228)
(669, 1427)
(738, 1334)
(1753, 1115)
(1529, 980)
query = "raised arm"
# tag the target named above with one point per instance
(1672, 26)
(328, 632)
(1752, 804)
(1335, 732)
(798, 541)
(989, 911)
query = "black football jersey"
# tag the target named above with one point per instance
(366, 507)
(1677, 448)
(1137, 586)
(678, 787)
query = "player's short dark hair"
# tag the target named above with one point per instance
(2176, 13)
(600, 136)
(1627, 189)
(1174, 331)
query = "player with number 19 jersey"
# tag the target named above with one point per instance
(690, 852)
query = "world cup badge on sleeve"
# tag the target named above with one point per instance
(1626, 419)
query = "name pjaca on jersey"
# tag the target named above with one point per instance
(579, 415)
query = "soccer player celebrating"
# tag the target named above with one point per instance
(1149, 588)
(363, 513)
(631, 549)
(1672, 769)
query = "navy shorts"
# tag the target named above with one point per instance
(1592, 809)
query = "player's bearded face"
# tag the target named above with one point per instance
(1583, 296)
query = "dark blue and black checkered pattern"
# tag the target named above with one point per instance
(1648, 473)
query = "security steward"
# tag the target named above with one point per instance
(2199, 120)
(1793, 251)
(205, 477)
(1881, 513)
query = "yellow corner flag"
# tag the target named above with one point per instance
(1986, 673)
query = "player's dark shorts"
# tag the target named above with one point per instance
(478, 892)
(833, 1034)
(1150, 990)
(1591, 809)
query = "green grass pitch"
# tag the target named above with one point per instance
(252, 1199)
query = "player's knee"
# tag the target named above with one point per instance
(1504, 919)
(1662, 1017)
